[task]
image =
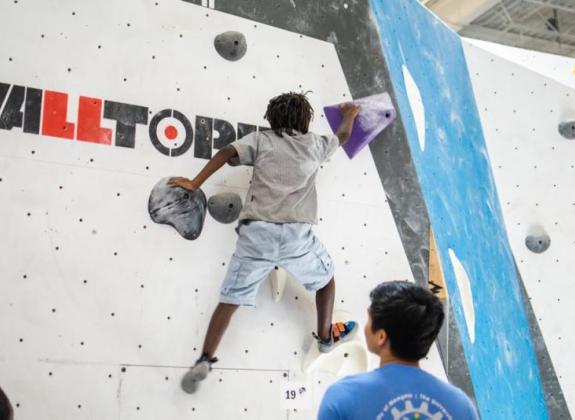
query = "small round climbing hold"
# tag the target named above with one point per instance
(225, 207)
(538, 242)
(567, 129)
(231, 45)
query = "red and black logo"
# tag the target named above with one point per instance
(44, 112)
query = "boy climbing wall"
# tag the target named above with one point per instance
(275, 227)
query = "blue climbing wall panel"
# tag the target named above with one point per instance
(458, 187)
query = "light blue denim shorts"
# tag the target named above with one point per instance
(262, 246)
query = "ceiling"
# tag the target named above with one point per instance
(543, 25)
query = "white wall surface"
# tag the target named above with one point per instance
(556, 67)
(534, 170)
(101, 310)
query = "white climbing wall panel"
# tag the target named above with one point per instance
(101, 310)
(534, 169)
(557, 67)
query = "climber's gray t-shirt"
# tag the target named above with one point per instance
(285, 169)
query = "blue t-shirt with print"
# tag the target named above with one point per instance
(393, 392)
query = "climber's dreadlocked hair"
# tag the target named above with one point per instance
(288, 112)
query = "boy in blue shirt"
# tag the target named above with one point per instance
(403, 322)
(276, 221)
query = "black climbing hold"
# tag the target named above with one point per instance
(185, 211)
(225, 207)
(231, 45)
(567, 129)
(538, 242)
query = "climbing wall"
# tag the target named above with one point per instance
(506, 358)
(555, 67)
(534, 166)
(102, 310)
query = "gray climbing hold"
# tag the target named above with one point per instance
(185, 211)
(225, 207)
(231, 45)
(567, 129)
(538, 243)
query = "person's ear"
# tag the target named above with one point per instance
(381, 338)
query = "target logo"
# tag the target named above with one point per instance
(171, 132)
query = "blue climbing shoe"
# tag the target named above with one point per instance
(340, 333)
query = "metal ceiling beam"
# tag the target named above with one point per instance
(517, 40)
(517, 26)
(568, 9)
(544, 35)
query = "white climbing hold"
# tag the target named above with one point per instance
(464, 286)
(279, 279)
(416, 104)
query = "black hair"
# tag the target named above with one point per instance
(410, 315)
(288, 112)
(5, 407)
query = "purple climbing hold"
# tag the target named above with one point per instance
(376, 113)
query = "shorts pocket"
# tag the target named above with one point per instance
(231, 279)
(325, 261)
